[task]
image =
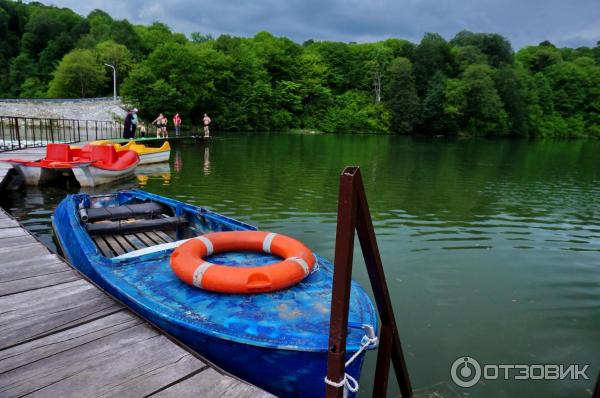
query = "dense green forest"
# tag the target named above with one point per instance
(474, 84)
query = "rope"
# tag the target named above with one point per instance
(369, 340)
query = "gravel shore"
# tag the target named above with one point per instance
(92, 109)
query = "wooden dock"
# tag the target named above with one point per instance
(61, 336)
(6, 170)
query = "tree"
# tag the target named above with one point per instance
(569, 84)
(117, 55)
(510, 88)
(469, 55)
(198, 37)
(22, 67)
(53, 53)
(355, 112)
(430, 56)
(536, 59)
(401, 96)
(433, 120)
(79, 74)
(496, 48)
(46, 24)
(484, 113)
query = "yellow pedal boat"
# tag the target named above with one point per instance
(147, 154)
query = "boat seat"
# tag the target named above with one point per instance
(104, 153)
(125, 227)
(125, 211)
(58, 153)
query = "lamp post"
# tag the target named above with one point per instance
(114, 82)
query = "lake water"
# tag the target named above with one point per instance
(491, 247)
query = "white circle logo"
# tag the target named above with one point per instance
(465, 372)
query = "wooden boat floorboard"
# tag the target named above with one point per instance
(167, 238)
(62, 336)
(145, 239)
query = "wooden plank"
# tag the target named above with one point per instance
(104, 248)
(210, 383)
(149, 242)
(154, 238)
(124, 243)
(162, 236)
(135, 241)
(167, 238)
(32, 265)
(8, 223)
(16, 252)
(35, 313)
(37, 282)
(12, 233)
(24, 354)
(114, 245)
(18, 242)
(112, 359)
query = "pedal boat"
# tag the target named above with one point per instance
(147, 154)
(98, 165)
(278, 340)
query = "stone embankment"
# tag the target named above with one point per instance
(101, 109)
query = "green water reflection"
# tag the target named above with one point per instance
(490, 247)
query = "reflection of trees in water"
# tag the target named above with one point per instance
(443, 179)
(280, 176)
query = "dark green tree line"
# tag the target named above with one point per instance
(473, 84)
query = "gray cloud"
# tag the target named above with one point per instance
(572, 23)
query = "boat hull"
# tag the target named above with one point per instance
(281, 366)
(90, 176)
(32, 175)
(86, 176)
(157, 157)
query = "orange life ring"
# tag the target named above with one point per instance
(187, 261)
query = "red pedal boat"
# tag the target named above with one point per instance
(91, 165)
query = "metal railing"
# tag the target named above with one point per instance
(353, 215)
(29, 132)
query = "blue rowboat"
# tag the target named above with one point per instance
(277, 341)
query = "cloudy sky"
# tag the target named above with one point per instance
(564, 22)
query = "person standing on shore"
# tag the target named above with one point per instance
(134, 122)
(177, 123)
(128, 125)
(206, 121)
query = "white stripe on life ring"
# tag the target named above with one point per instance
(199, 273)
(208, 244)
(302, 263)
(267, 242)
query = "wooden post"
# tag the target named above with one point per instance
(354, 215)
(340, 299)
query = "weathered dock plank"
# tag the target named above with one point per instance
(128, 354)
(37, 313)
(210, 384)
(60, 336)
